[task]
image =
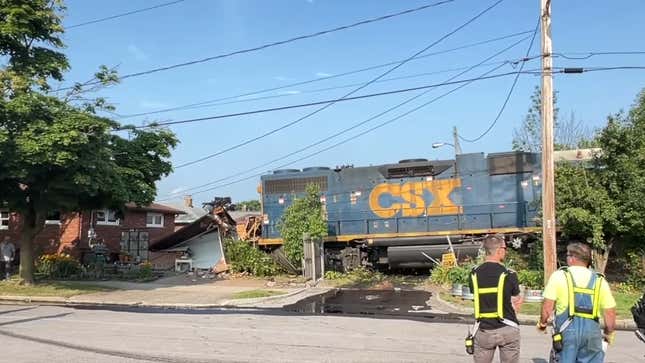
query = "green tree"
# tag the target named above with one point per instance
(305, 215)
(603, 202)
(622, 165)
(585, 210)
(569, 133)
(249, 205)
(57, 154)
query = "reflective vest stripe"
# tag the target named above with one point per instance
(500, 295)
(499, 290)
(488, 290)
(572, 298)
(584, 291)
(488, 315)
(595, 296)
(476, 295)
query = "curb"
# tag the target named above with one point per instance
(246, 302)
(622, 324)
(61, 301)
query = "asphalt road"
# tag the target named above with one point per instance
(57, 334)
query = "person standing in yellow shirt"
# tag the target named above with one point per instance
(578, 294)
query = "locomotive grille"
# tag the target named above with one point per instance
(295, 185)
(510, 163)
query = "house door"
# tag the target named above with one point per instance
(135, 244)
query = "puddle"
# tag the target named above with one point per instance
(367, 302)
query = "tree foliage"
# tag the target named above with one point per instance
(305, 215)
(249, 205)
(58, 154)
(569, 133)
(603, 202)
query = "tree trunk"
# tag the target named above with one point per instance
(33, 223)
(601, 257)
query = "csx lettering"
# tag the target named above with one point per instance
(408, 198)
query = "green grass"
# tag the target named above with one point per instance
(364, 278)
(624, 302)
(49, 288)
(252, 294)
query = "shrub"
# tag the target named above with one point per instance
(531, 279)
(451, 275)
(57, 266)
(141, 272)
(244, 257)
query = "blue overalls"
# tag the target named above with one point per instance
(581, 336)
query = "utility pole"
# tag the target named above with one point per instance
(548, 183)
(455, 137)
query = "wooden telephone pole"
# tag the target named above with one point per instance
(548, 183)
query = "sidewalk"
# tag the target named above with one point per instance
(174, 292)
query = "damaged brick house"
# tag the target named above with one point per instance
(128, 232)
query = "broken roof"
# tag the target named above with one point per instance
(201, 225)
(206, 224)
(190, 215)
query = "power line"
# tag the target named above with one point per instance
(354, 137)
(356, 125)
(587, 55)
(316, 103)
(318, 90)
(280, 42)
(510, 91)
(483, 76)
(123, 14)
(343, 98)
(235, 98)
(319, 79)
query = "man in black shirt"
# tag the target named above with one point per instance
(497, 325)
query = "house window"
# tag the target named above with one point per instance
(135, 244)
(4, 219)
(154, 220)
(106, 217)
(53, 217)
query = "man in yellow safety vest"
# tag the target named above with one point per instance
(578, 295)
(497, 296)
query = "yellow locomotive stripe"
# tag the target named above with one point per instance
(353, 237)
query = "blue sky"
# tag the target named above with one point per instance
(197, 29)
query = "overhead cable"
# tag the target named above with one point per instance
(351, 138)
(273, 44)
(356, 125)
(319, 79)
(123, 14)
(510, 92)
(343, 98)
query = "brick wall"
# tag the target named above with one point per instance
(71, 235)
(54, 238)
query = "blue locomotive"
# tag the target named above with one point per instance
(402, 215)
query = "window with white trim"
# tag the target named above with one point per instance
(4, 219)
(106, 217)
(53, 217)
(154, 220)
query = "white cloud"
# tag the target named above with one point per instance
(152, 104)
(281, 78)
(291, 92)
(137, 53)
(323, 74)
(177, 190)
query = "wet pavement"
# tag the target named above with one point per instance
(394, 302)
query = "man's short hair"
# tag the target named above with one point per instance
(580, 251)
(492, 243)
